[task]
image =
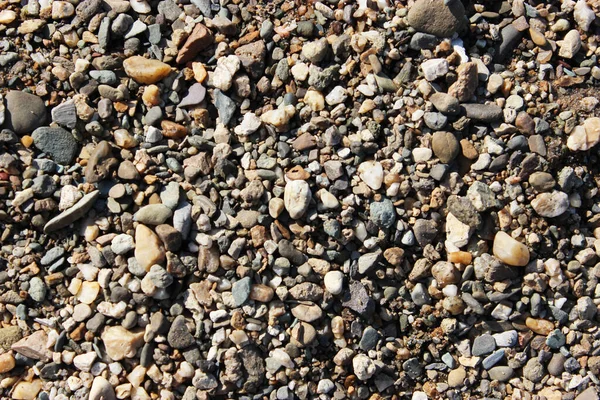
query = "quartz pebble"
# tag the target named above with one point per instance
(510, 251)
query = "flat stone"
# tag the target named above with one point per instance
(121, 343)
(58, 143)
(153, 214)
(148, 249)
(437, 18)
(144, 70)
(200, 39)
(34, 346)
(551, 205)
(72, 214)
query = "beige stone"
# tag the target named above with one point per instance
(509, 250)
(121, 343)
(144, 70)
(148, 249)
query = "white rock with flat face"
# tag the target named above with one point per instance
(371, 173)
(297, 198)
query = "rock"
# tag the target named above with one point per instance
(144, 70)
(434, 68)
(482, 197)
(153, 214)
(445, 146)
(297, 197)
(382, 213)
(65, 114)
(425, 231)
(456, 377)
(307, 312)
(7, 363)
(250, 124)
(358, 300)
(510, 251)
(364, 368)
(37, 289)
(585, 136)
(539, 326)
(371, 173)
(570, 45)
(148, 250)
(445, 103)
(9, 336)
(58, 143)
(121, 343)
(437, 18)
(195, 96)
(510, 36)
(334, 282)
(101, 390)
(466, 84)
(556, 366)
(590, 393)
(279, 117)
(241, 291)
(551, 205)
(463, 210)
(534, 370)
(224, 72)
(502, 374)
(584, 15)
(483, 112)
(179, 336)
(199, 39)
(7, 16)
(315, 51)
(225, 106)
(34, 346)
(483, 345)
(25, 390)
(72, 214)
(445, 273)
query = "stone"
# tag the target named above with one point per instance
(445, 273)
(279, 117)
(179, 336)
(445, 146)
(297, 197)
(570, 45)
(25, 390)
(101, 390)
(149, 249)
(307, 312)
(250, 124)
(72, 214)
(37, 289)
(583, 15)
(225, 106)
(482, 197)
(501, 373)
(224, 72)
(510, 251)
(7, 363)
(7, 16)
(334, 282)
(364, 368)
(483, 112)
(9, 336)
(153, 214)
(315, 51)
(466, 83)
(382, 213)
(534, 370)
(144, 70)
(358, 300)
(445, 103)
(483, 345)
(200, 38)
(425, 231)
(65, 114)
(121, 343)
(252, 56)
(371, 173)
(241, 291)
(456, 377)
(434, 68)
(585, 136)
(510, 37)
(539, 326)
(436, 17)
(551, 204)
(57, 143)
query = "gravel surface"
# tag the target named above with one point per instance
(231, 199)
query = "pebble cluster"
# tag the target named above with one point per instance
(289, 199)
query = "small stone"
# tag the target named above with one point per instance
(144, 70)
(148, 250)
(539, 326)
(7, 363)
(297, 197)
(34, 346)
(153, 214)
(371, 173)
(585, 136)
(334, 282)
(101, 388)
(58, 143)
(241, 291)
(510, 251)
(434, 68)
(570, 45)
(382, 213)
(315, 51)
(437, 17)
(584, 15)
(534, 370)
(37, 289)
(445, 146)
(7, 16)
(25, 390)
(179, 336)
(250, 124)
(483, 344)
(551, 205)
(364, 368)
(199, 39)
(456, 377)
(483, 112)
(24, 112)
(501, 373)
(466, 84)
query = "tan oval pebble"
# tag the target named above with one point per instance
(7, 16)
(88, 292)
(510, 251)
(144, 70)
(27, 390)
(7, 362)
(307, 313)
(262, 293)
(456, 377)
(539, 326)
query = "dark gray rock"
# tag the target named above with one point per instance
(383, 213)
(358, 300)
(58, 143)
(483, 112)
(179, 337)
(225, 106)
(510, 38)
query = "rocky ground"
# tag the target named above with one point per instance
(294, 200)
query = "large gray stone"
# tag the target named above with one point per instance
(24, 112)
(59, 144)
(436, 18)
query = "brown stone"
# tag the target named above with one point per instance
(34, 346)
(466, 84)
(173, 130)
(128, 171)
(252, 56)
(100, 164)
(145, 70)
(394, 255)
(200, 39)
(525, 123)
(170, 237)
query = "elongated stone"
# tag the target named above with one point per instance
(144, 70)
(72, 214)
(510, 251)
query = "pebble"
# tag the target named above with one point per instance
(510, 251)
(24, 112)
(551, 205)
(144, 70)
(334, 282)
(297, 198)
(436, 18)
